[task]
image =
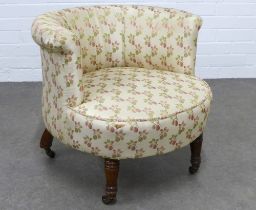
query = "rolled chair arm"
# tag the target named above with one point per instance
(61, 63)
(48, 32)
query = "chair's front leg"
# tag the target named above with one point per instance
(111, 172)
(195, 148)
(46, 143)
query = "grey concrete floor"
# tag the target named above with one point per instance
(74, 180)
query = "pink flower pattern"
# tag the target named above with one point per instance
(118, 81)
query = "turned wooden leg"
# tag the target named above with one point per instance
(46, 143)
(195, 148)
(111, 172)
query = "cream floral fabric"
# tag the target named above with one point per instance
(118, 81)
(137, 94)
(161, 39)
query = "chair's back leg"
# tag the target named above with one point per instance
(46, 143)
(195, 148)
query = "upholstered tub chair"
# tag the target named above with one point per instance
(119, 82)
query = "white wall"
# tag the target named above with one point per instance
(226, 48)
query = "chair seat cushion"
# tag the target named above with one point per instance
(131, 112)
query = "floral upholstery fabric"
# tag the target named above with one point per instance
(109, 36)
(136, 94)
(161, 39)
(118, 81)
(133, 112)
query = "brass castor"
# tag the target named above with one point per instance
(195, 164)
(50, 153)
(106, 199)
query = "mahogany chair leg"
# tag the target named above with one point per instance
(46, 143)
(195, 148)
(111, 172)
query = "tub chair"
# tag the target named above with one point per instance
(119, 82)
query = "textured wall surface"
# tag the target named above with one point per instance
(226, 45)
